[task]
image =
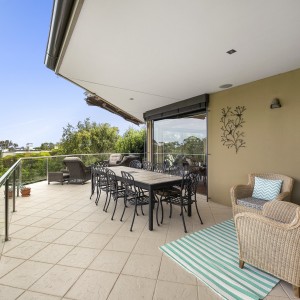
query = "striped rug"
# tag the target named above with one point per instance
(211, 255)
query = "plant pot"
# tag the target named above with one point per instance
(10, 194)
(25, 192)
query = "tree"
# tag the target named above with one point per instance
(47, 146)
(8, 145)
(132, 141)
(88, 137)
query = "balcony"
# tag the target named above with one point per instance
(63, 246)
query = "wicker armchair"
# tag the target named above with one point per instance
(78, 172)
(271, 241)
(241, 194)
(117, 159)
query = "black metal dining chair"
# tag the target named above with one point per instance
(185, 196)
(135, 164)
(133, 196)
(147, 165)
(116, 190)
(95, 176)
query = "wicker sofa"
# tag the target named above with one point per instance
(78, 172)
(117, 159)
(241, 195)
(271, 241)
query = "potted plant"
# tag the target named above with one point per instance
(25, 191)
(10, 191)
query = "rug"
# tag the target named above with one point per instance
(211, 255)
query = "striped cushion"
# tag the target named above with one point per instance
(266, 189)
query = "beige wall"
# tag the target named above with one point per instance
(272, 135)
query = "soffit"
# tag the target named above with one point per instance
(163, 51)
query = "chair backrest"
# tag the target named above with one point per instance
(135, 164)
(76, 167)
(159, 168)
(287, 182)
(147, 165)
(189, 184)
(112, 180)
(115, 159)
(129, 184)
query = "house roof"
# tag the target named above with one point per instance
(138, 55)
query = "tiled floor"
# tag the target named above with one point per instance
(64, 247)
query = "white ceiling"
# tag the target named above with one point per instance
(163, 51)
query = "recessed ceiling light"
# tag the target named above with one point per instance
(131, 98)
(225, 86)
(231, 51)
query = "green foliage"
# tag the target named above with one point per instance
(132, 141)
(88, 137)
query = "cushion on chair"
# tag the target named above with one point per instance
(252, 203)
(114, 159)
(266, 189)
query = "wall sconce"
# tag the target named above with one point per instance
(275, 103)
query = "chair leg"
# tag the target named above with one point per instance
(125, 200)
(241, 264)
(182, 215)
(116, 202)
(296, 290)
(133, 216)
(170, 215)
(142, 210)
(107, 205)
(162, 212)
(157, 213)
(198, 212)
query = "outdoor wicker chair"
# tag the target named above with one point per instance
(271, 241)
(78, 172)
(118, 159)
(242, 195)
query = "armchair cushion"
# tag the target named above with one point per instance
(252, 203)
(266, 189)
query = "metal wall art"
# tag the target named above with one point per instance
(232, 122)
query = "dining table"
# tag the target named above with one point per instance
(149, 181)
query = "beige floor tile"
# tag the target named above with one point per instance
(120, 243)
(276, 298)
(288, 288)
(78, 215)
(9, 293)
(175, 291)
(65, 224)
(141, 265)
(278, 291)
(149, 246)
(53, 253)
(12, 244)
(109, 227)
(26, 250)
(28, 220)
(46, 222)
(96, 241)
(85, 226)
(49, 235)
(71, 238)
(37, 296)
(8, 263)
(205, 292)
(25, 274)
(60, 214)
(44, 213)
(93, 285)
(27, 233)
(133, 288)
(171, 271)
(14, 228)
(57, 281)
(97, 217)
(79, 257)
(110, 261)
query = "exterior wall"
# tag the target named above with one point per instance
(272, 136)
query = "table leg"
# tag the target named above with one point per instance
(150, 209)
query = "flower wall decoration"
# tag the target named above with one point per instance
(232, 122)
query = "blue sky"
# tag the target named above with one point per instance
(36, 103)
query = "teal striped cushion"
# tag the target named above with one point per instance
(266, 189)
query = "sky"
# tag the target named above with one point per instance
(35, 103)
